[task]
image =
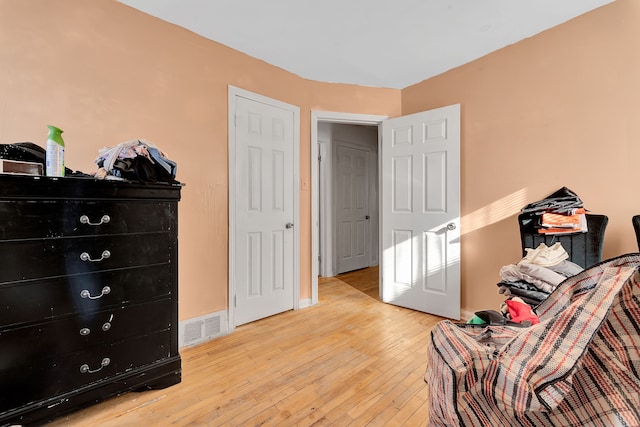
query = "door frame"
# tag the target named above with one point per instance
(331, 117)
(235, 92)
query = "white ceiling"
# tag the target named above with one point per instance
(380, 43)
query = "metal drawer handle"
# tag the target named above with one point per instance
(105, 327)
(86, 294)
(84, 219)
(86, 257)
(84, 369)
(86, 331)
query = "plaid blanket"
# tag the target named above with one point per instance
(579, 366)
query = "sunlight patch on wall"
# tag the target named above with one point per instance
(495, 211)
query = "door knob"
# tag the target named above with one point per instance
(451, 226)
(366, 217)
(289, 225)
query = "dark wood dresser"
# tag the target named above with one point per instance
(88, 292)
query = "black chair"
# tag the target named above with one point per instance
(584, 249)
(635, 220)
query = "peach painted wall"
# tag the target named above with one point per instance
(555, 109)
(558, 109)
(106, 73)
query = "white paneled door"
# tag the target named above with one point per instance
(421, 211)
(264, 222)
(352, 208)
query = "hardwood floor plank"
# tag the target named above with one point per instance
(350, 360)
(365, 280)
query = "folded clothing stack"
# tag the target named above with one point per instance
(561, 212)
(555, 223)
(535, 276)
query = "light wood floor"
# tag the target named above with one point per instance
(350, 360)
(365, 280)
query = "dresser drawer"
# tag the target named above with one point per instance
(38, 300)
(55, 218)
(33, 259)
(71, 334)
(61, 373)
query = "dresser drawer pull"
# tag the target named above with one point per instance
(104, 220)
(85, 331)
(86, 257)
(84, 369)
(86, 294)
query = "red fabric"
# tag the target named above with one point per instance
(519, 311)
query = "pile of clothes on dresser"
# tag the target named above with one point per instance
(135, 160)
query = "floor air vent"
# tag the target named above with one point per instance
(192, 332)
(201, 329)
(212, 326)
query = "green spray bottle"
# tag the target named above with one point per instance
(55, 152)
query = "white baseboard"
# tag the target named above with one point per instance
(201, 329)
(305, 303)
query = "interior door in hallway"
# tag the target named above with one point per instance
(352, 208)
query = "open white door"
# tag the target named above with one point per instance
(420, 232)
